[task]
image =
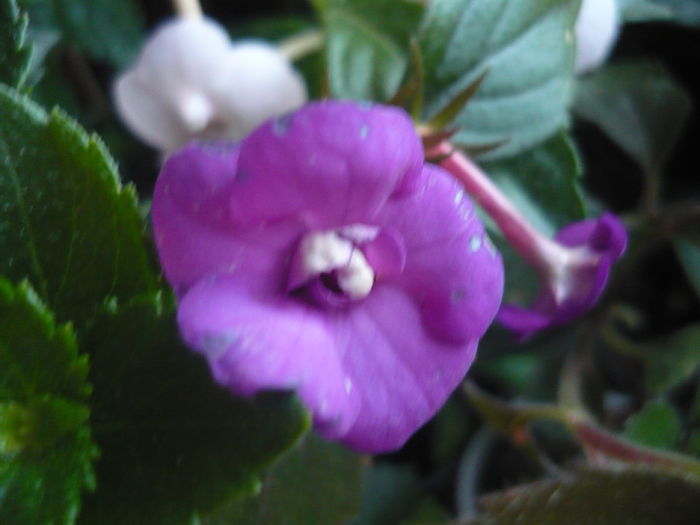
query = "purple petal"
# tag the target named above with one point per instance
(195, 234)
(371, 377)
(386, 253)
(606, 240)
(452, 271)
(255, 344)
(331, 164)
(399, 373)
(522, 321)
(604, 235)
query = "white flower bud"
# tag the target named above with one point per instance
(597, 26)
(191, 82)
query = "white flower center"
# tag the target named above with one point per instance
(325, 252)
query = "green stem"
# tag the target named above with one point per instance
(303, 44)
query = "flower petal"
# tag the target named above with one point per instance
(146, 112)
(274, 344)
(397, 371)
(194, 232)
(265, 86)
(331, 163)
(522, 322)
(604, 240)
(452, 271)
(604, 235)
(182, 55)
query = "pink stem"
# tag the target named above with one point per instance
(540, 250)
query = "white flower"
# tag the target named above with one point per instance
(191, 82)
(597, 26)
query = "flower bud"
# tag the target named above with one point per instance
(191, 82)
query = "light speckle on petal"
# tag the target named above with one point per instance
(475, 243)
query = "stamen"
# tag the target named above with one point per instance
(324, 252)
(329, 253)
(357, 278)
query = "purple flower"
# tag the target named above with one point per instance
(573, 267)
(573, 273)
(320, 255)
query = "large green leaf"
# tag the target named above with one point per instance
(597, 497)
(14, 54)
(110, 30)
(639, 106)
(527, 49)
(173, 443)
(45, 445)
(65, 221)
(317, 483)
(367, 45)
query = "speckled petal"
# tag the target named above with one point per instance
(195, 234)
(255, 344)
(396, 370)
(453, 272)
(331, 164)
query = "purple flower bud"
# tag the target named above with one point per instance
(573, 277)
(573, 267)
(322, 256)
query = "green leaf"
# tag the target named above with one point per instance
(543, 184)
(390, 494)
(643, 11)
(45, 445)
(527, 46)
(316, 483)
(109, 30)
(685, 12)
(672, 359)
(14, 54)
(174, 444)
(367, 45)
(656, 425)
(596, 497)
(689, 255)
(66, 223)
(639, 106)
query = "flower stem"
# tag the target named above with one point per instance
(188, 8)
(303, 44)
(535, 247)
